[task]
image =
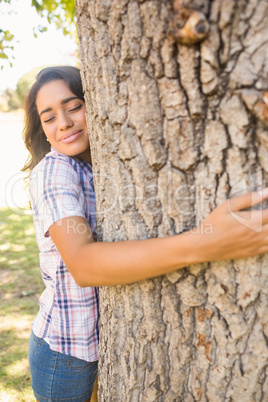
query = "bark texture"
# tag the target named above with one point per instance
(175, 129)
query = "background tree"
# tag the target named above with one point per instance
(177, 125)
(24, 84)
(14, 99)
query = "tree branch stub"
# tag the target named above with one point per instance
(187, 25)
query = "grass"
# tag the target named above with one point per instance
(20, 287)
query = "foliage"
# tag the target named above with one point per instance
(60, 12)
(5, 38)
(20, 287)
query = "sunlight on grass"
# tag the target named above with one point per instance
(17, 322)
(20, 287)
(4, 247)
(17, 367)
(14, 396)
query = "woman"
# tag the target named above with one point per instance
(63, 349)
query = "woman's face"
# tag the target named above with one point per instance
(63, 119)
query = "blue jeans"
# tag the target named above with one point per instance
(58, 377)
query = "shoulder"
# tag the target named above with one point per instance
(53, 160)
(54, 176)
(54, 165)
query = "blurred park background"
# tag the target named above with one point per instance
(35, 43)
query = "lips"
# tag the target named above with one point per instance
(71, 137)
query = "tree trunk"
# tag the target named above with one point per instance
(178, 119)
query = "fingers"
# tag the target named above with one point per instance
(246, 200)
(264, 216)
(254, 220)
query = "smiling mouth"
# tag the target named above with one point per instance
(67, 138)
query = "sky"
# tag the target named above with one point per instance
(49, 48)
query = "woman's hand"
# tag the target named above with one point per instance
(234, 232)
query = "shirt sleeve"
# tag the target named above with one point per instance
(56, 192)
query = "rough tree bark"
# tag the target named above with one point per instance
(176, 95)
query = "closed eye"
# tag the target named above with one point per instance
(48, 120)
(75, 108)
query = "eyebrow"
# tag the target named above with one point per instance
(63, 102)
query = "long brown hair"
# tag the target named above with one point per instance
(33, 134)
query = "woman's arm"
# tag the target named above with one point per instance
(231, 233)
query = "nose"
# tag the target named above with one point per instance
(64, 121)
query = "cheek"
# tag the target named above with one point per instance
(83, 118)
(48, 133)
(85, 122)
(44, 129)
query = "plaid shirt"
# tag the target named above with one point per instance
(61, 186)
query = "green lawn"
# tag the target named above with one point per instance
(20, 287)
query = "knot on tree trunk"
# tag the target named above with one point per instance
(188, 26)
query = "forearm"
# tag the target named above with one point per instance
(104, 264)
(233, 234)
